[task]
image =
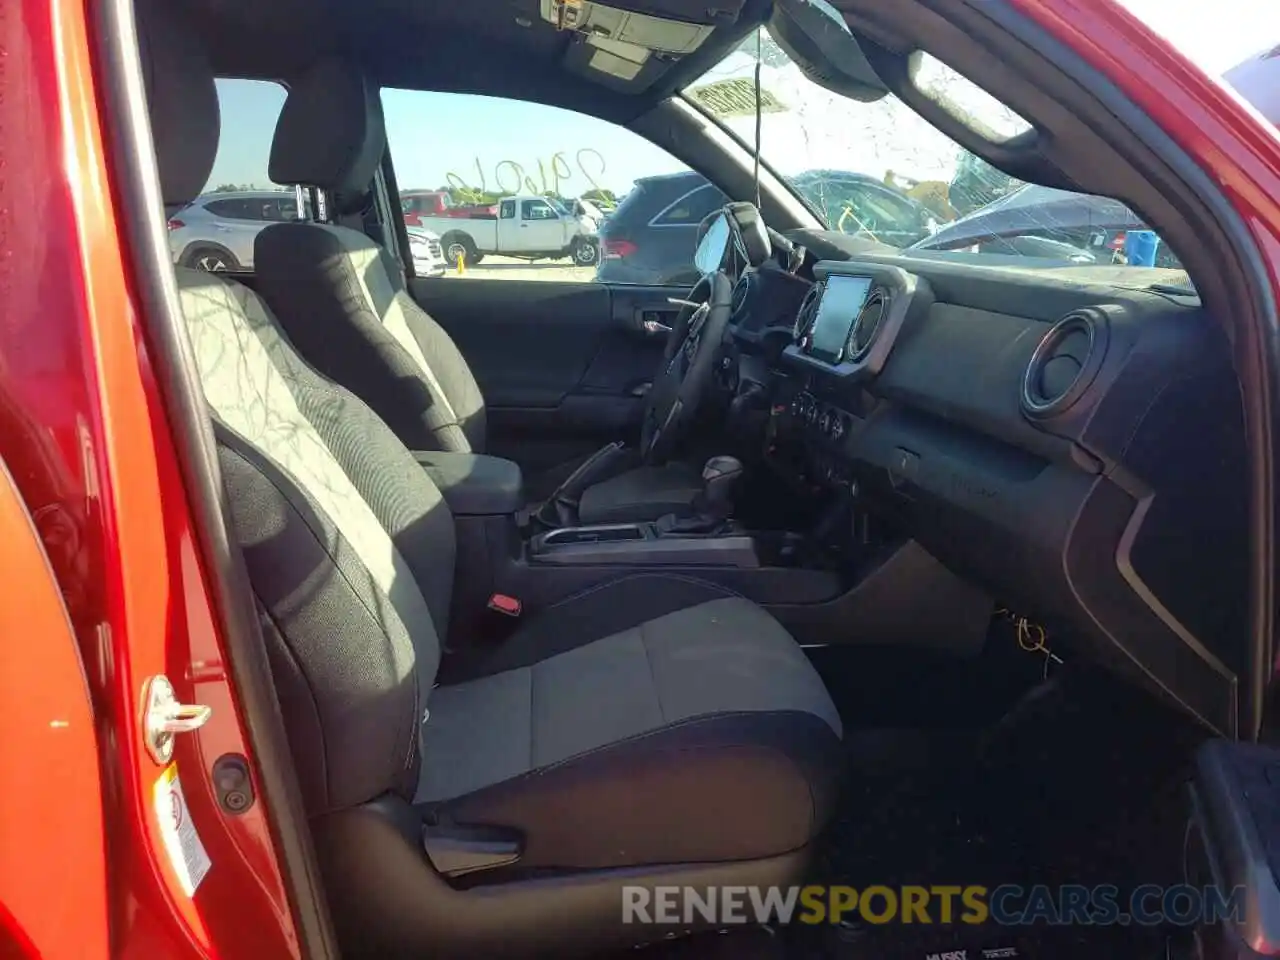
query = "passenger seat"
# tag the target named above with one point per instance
(655, 730)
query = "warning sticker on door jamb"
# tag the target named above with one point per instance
(182, 843)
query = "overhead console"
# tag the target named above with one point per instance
(627, 45)
(850, 319)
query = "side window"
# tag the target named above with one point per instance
(538, 210)
(221, 237)
(230, 209)
(282, 208)
(586, 190)
(690, 209)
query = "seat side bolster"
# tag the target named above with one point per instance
(332, 636)
(677, 794)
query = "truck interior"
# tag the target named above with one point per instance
(570, 586)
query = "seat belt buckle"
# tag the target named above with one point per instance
(505, 605)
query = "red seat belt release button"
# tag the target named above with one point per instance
(508, 606)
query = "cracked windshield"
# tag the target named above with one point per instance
(494, 188)
(880, 171)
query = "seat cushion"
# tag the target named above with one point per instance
(653, 720)
(645, 493)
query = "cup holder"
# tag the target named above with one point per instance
(610, 534)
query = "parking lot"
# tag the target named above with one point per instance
(509, 268)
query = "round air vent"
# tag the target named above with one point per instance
(1064, 363)
(862, 335)
(808, 312)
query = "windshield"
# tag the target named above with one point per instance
(880, 171)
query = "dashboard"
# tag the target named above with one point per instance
(1065, 437)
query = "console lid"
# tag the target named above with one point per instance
(474, 484)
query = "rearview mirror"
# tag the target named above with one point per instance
(816, 38)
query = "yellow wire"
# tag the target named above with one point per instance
(1031, 637)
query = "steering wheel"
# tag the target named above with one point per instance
(688, 364)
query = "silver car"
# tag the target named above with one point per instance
(216, 232)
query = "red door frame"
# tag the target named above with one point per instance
(86, 438)
(87, 441)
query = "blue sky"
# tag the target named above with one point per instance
(433, 134)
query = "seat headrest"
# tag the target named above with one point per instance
(330, 133)
(181, 99)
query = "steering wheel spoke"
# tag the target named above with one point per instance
(688, 368)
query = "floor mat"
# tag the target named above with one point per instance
(1081, 782)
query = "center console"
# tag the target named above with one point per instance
(832, 584)
(643, 545)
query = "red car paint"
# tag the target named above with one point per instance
(85, 438)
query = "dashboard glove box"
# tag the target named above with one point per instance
(474, 484)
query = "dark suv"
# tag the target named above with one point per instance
(650, 238)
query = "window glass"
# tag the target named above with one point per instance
(879, 170)
(538, 210)
(690, 209)
(233, 209)
(533, 192)
(220, 236)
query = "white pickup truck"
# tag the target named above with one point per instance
(529, 227)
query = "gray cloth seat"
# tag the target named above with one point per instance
(657, 724)
(343, 301)
(627, 724)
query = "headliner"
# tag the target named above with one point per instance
(475, 46)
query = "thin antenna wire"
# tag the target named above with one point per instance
(759, 54)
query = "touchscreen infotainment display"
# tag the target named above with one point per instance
(842, 299)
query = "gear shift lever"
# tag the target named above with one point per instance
(713, 505)
(719, 477)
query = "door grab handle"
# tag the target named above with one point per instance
(655, 328)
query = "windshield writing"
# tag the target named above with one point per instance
(880, 171)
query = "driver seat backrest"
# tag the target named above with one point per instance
(339, 295)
